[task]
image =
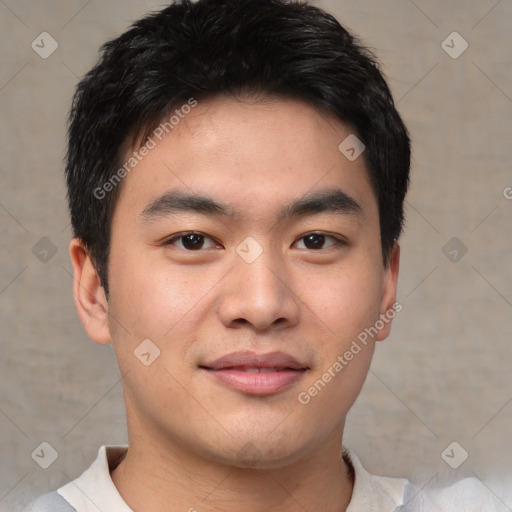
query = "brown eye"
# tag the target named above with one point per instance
(316, 241)
(191, 241)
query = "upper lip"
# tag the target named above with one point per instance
(279, 360)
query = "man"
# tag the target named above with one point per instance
(236, 175)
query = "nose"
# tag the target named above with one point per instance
(260, 295)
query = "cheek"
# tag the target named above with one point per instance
(150, 298)
(146, 296)
(345, 301)
(347, 304)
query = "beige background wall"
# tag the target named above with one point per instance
(445, 373)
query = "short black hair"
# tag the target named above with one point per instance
(210, 48)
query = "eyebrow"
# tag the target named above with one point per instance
(328, 201)
(324, 201)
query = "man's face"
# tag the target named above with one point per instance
(252, 300)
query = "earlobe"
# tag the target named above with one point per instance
(90, 300)
(388, 307)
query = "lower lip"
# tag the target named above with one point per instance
(258, 383)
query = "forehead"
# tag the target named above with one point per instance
(252, 154)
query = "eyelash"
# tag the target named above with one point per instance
(170, 241)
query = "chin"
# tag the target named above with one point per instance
(260, 454)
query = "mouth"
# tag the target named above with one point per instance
(256, 374)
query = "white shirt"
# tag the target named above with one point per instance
(94, 490)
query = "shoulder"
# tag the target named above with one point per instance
(374, 493)
(50, 502)
(468, 495)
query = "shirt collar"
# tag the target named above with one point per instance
(373, 493)
(94, 490)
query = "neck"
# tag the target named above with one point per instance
(154, 476)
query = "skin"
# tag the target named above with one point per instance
(194, 442)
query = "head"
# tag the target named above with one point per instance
(228, 119)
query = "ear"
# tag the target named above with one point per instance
(90, 299)
(388, 305)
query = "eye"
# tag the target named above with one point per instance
(316, 241)
(192, 241)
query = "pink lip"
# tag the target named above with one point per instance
(268, 373)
